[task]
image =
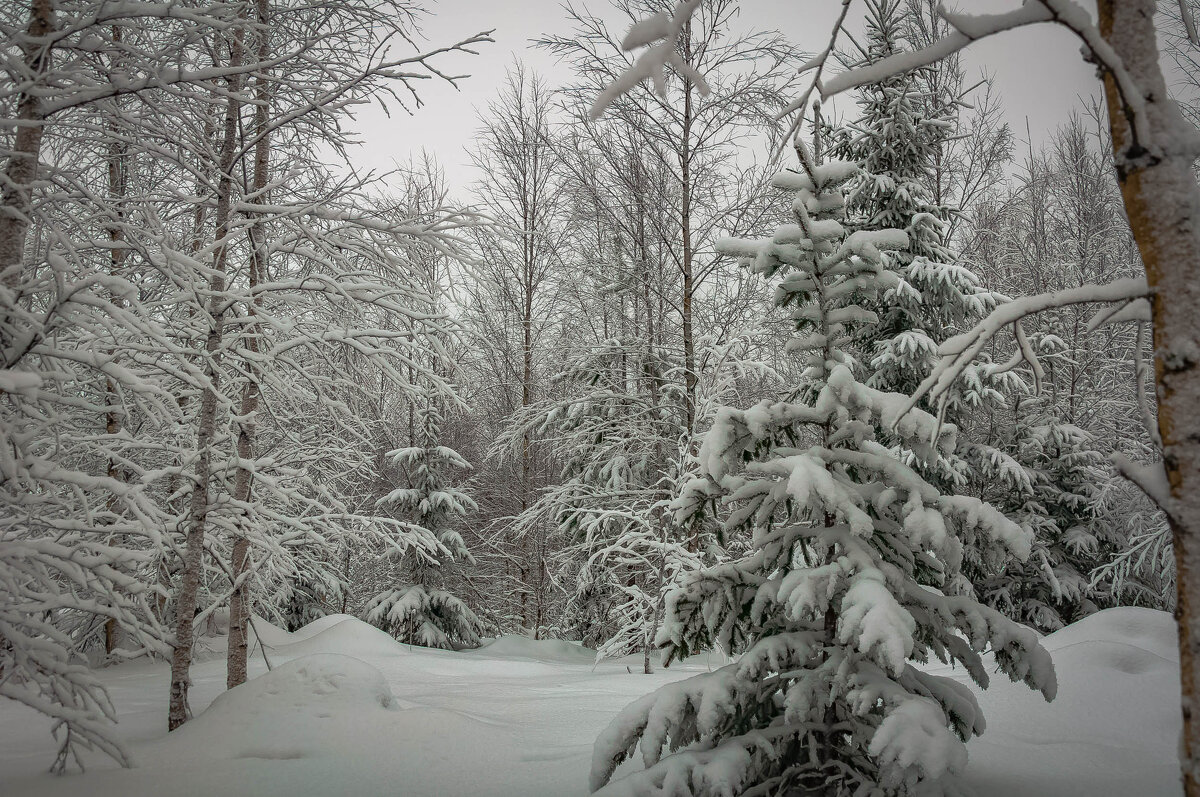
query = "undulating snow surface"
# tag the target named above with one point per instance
(347, 710)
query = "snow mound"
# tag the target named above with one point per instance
(270, 634)
(1145, 631)
(340, 634)
(321, 624)
(512, 646)
(288, 712)
(1116, 718)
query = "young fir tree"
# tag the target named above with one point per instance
(421, 611)
(851, 573)
(1056, 498)
(898, 136)
(618, 425)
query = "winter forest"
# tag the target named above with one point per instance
(759, 412)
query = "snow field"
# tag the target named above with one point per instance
(347, 710)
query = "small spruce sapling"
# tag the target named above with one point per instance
(1057, 501)
(421, 611)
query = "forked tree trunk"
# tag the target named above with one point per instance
(193, 557)
(1162, 202)
(239, 607)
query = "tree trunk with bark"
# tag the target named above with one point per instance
(1162, 202)
(118, 189)
(16, 201)
(239, 607)
(689, 287)
(189, 583)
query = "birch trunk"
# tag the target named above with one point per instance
(1162, 202)
(189, 583)
(239, 608)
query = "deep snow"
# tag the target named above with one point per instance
(347, 710)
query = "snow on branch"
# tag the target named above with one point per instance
(968, 28)
(958, 352)
(1150, 479)
(1136, 310)
(660, 34)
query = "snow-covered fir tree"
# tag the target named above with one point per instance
(1054, 495)
(618, 425)
(852, 578)
(897, 137)
(419, 610)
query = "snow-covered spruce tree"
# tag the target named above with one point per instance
(1056, 500)
(897, 139)
(419, 611)
(1154, 149)
(618, 424)
(842, 591)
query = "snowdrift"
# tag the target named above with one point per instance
(336, 633)
(289, 712)
(1112, 730)
(518, 718)
(512, 646)
(1147, 630)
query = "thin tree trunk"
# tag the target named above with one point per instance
(200, 215)
(650, 372)
(189, 583)
(689, 286)
(118, 189)
(1162, 202)
(239, 607)
(685, 164)
(528, 265)
(16, 202)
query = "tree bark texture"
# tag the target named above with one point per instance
(1162, 202)
(20, 173)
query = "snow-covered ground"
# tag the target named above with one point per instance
(349, 711)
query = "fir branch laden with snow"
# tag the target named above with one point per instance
(1051, 488)
(849, 585)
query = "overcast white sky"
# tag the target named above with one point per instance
(1039, 71)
